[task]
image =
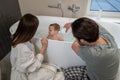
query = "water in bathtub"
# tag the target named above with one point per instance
(67, 36)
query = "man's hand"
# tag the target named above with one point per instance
(67, 26)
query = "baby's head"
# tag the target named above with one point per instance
(54, 28)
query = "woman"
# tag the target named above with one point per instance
(23, 57)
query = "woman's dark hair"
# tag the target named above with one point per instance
(85, 28)
(26, 29)
(56, 26)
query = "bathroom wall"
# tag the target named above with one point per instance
(9, 14)
(40, 7)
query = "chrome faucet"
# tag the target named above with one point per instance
(58, 6)
(73, 8)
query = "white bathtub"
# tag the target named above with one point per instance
(60, 52)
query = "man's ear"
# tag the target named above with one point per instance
(82, 40)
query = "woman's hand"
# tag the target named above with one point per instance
(44, 42)
(67, 26)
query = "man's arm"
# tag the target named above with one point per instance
(67, 26)
(75, 46)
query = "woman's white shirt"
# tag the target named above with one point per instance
(24, 59)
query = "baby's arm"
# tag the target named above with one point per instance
(60, 38)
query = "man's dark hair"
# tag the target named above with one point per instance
(85, 28)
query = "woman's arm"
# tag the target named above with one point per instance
(44, 42)
(27, 60)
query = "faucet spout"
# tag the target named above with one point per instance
(73, 8)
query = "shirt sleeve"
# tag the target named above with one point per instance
(103, 30)
(27, 60)
(107, 36)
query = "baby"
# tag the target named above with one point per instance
(54, 32)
